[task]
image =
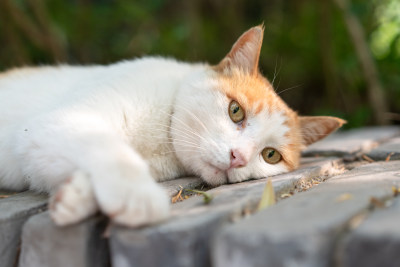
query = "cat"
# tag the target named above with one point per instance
(101, 137)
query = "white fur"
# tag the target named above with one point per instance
(74, 200)
(124, 126)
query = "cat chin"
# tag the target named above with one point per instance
(213, 175)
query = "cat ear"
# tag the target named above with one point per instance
(317, 127)
(245, 52)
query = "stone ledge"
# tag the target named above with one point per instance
(302, 230)
(46, 245)
(352, 142)
(375, 242)
(15, 209)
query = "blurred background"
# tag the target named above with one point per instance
(325, 57)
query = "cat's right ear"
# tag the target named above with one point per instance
(245, 52)
(314, 128)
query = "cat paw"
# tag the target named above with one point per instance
(134, 204)
(74, 201)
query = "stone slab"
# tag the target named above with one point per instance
(352, 142)
(387, 151)
(15, 209)
(175, 243)
(46, 245)
(302, 230)
(375, 242)
(184, 240)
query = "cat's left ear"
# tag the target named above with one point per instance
(317, 127)
(245, 52)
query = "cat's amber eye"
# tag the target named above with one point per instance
(236, 112)
(271, 156)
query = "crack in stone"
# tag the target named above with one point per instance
(353, 223)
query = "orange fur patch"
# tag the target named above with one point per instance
(254, 93)
(291, 151)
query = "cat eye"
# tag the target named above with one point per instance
(271, 156)
(236, 112)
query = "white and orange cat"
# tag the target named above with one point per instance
(100, 137)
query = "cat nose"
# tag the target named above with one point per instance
(237, 159)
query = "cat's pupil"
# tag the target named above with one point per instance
(271, 153)
(235, 110)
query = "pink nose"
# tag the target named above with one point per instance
(237, 159)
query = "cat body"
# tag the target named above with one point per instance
(144, 87)
(99, 137)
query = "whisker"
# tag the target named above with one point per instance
(185, 134)
(173, 139)
(187, 145)
(276, 63)
(184, 124)
(181, 139)
(174, 151)
(275, 73)
(290, 88)
(277, 87)
(194, 116)
(202, 124)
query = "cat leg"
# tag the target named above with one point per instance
(129, 195)
(59, 143)
(73, 201)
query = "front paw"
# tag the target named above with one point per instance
(134, 203)
(74, 200)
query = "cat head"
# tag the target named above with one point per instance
(229, 125)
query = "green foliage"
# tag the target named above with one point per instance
(306, 47)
